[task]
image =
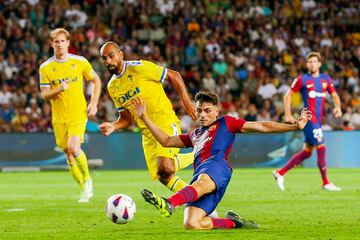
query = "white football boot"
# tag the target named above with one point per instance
(331, 187)
(83, 198)
(279, 180)
(88, 188)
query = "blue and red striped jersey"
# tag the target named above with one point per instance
(214, 141)
(313, 91)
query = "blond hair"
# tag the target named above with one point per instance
(313, 54)
(59, 31)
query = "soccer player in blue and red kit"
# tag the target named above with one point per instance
(212, 143)
(313, 87)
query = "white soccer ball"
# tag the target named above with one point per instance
(120, 208)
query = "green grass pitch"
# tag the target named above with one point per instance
(43, 205)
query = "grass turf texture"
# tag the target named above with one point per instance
(303, 211)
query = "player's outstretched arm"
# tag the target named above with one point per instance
(48, 93)
(165, 140)
(178, 83)
(92, 107)
(124, 121)
(274, 127)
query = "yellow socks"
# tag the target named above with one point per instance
(76, 173)
(81, 161)
(176, 184)
(183, 160)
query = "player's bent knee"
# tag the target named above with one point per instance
(191, 224)
(165, 174)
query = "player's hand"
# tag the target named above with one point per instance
(305, 116)
(190, 109)
(289, 119)
(139, 107)
(337, 112)
(64, 85)
(107, 128)
(92, 110)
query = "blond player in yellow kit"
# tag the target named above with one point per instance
(144, 78)
(61, 83)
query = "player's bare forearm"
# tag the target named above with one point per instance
(178, 83)
(124, 120)
(96, 91)
(335, 97)
(48, 93)
(274, 127)
(268, 127)
(287, 103)
(162, 137)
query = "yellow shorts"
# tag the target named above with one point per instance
(63, 131)
(153, 149)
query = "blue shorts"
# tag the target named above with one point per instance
(220, 172)
(313, 134)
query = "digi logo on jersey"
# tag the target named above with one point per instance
(123, 98)
(313, 94)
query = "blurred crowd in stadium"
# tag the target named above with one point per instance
(246, 51)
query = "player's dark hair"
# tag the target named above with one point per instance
(313, 54)
(208, 97)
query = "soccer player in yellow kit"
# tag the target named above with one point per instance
(144, 78)
(61, 83)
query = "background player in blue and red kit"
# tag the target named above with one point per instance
(212, 143)
(313, 87)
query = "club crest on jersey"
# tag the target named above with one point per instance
(127, 96)
(129, 77)
(213, 127)
(73, 66)
(324, 85)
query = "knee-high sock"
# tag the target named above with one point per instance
(76, 173)
(321, 162)
(222, 223)
(183, 160)
(81, 160)
(176, 184)
(295, 160)
(185, 195)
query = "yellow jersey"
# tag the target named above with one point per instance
(143, 78)
(69, 105)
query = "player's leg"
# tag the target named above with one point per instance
(321, 162)
(169, 161)
(166, 173)
(297, 158)
(76, 137)
(204, 184)
(294, 161)
(196, 218)
(61, 137)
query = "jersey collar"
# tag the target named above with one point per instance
(122, 72)
(61, 60)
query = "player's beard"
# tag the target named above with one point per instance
(112, 69)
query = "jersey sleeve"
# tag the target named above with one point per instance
(44, 80)
(330, 86)
(186, 139)
(234, 124)
(88, 71)
(296, 84)
(157, 73)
